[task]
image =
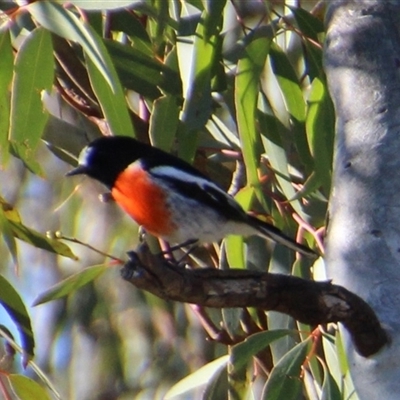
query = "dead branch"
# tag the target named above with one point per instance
(307, 301)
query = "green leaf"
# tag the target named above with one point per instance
(100, 5)
(164, 122)
(331, 358)
(271, 127)
(4, 128)
(6, 68)
(341, 353)
(242, 353)
(71, 284)
(10, 212)
(337, 363)
(200, 377)
(136, 70)
(198, 101)
(6, 61)
(33, 73)
(217, 387)
(66, 24)
(239, 384)
(289, 85)
(41, 241)
(330, 390)
(311, 27)
(231, 320)
(320, 132)
(65, 140)
(247, 88)
(294, 100)
(13, 304)
(313, 58)
(213, 20)
(158, 25)
(112, 99)
(221, 133)
(143, 73)
(8, 236)
(26, 154)
(307, 23)
(234, 245)
(26, 388)
(284, 381)
(130, 24)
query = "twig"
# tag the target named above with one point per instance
(77, 241)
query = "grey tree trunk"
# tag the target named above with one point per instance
(362, 57)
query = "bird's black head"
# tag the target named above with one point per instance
(105, 158)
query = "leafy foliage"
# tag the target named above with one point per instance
(230, 89)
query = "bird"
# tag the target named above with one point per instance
(169, 197)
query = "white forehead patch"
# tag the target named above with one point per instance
(84, 156)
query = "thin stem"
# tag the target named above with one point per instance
(77, 241)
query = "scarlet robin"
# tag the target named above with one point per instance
(169, 197)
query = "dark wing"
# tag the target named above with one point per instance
(199, 188)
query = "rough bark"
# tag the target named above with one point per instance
(362, 58)
(307, 301)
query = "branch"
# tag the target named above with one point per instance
(307, 301)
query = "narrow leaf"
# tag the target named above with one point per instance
(26, 154)
(6, 68)
(231, 320)
(308, 24)
(294, 100)
(234, 245)
(136, 70)
(112, 99)
(66, 24)
(37, 239)
(284, 381)
(33, 73)
(26, 388)
(330, 390)
(311, 27)
(8, 236)
(164, 122)
(331, 359)
(6, 60)
(217, 387)
(243, 352)
(247, 87)
(320, 131)
(221, 133)
(13, 304)
(274, 148)
(201, 377)
(197, 105)
(99, 5)
(130, 24)
(71, 284)
(11, 212)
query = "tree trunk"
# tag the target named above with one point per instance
(362, 57)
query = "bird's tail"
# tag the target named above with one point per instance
(271, 232)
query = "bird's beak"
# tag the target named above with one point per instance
(79, 170)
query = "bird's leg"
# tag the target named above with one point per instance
(187, 247)
(180, 246)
